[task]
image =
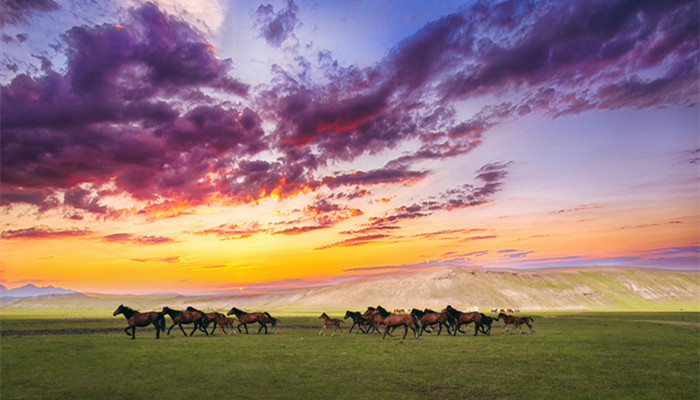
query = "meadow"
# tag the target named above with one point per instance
(583, 356)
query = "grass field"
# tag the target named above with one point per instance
(603, 355)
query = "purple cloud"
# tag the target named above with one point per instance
(137, 239)
(15, 11)
(43, 232)
(275, 28)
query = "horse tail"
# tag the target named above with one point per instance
(160, 322)
(205, 319)
(273, 321)
(415, 322)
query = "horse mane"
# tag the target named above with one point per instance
(418, 313)
(384, 313)
(127, 310)
(169, 311)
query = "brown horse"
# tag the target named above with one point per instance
(430, 318)
(213, 317)
(263, 318)
(327, 321)
(374, 319)
(197, 318)
(226, 321)
(135, 318)
(393, 321)
(358, 320)
(517, 322)
(463, 318)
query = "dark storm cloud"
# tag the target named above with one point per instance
(137, 108)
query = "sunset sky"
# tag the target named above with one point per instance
(177, 146)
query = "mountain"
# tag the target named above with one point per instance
(30, 290)
(575, 289)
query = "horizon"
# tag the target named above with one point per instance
(166, 146)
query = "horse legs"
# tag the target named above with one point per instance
(126, 330)
(405, 331)
(182, 329)
(133, 332)
(323, 330)
(262, 326)
(171, 327)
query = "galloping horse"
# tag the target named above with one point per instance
(374, 319)
(461, 318)
(517, 322)
(429, 318)
(392, 321)
(358, 320)
(135, 318)
(486, 322)
(197, 318)
(263, 318)
(212, 317)
(327, 321)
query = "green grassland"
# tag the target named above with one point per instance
(642, 355)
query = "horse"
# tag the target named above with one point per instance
(486, 322)
(392, 321)
(358, 320)
(429, 318)
(517, 322)
(212, 317)
(263, 318)
(374, 319)
(327, 321)
(197, 318)
(226, 321)
(462, 318)
(135, 318)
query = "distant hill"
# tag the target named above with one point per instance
(594, 288)
(30, 290)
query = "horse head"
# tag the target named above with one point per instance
(236, 311)
(119, 310)
(348, 314)
(417, 313)
(323, 316)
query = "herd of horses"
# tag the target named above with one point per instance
(199, 319)
(420, 321)
(372, 320)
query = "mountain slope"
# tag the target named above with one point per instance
(595, 288)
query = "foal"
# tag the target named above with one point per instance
(330, 321)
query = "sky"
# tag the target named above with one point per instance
(203, 146)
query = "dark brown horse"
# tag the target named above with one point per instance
(358, 320)
(463, 318)
(212, 317)
(135, 318)
(430, 318)
(245, 318)
(197, 318)
(328, 321)
(516, 322)
(393, 321)
(374, 319)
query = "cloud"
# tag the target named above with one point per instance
(15, 11)
(137, 239)
(355, 241)
(276, 28)
(147, 110)
(43, 232)
(170, 260)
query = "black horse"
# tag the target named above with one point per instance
(358, 320)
